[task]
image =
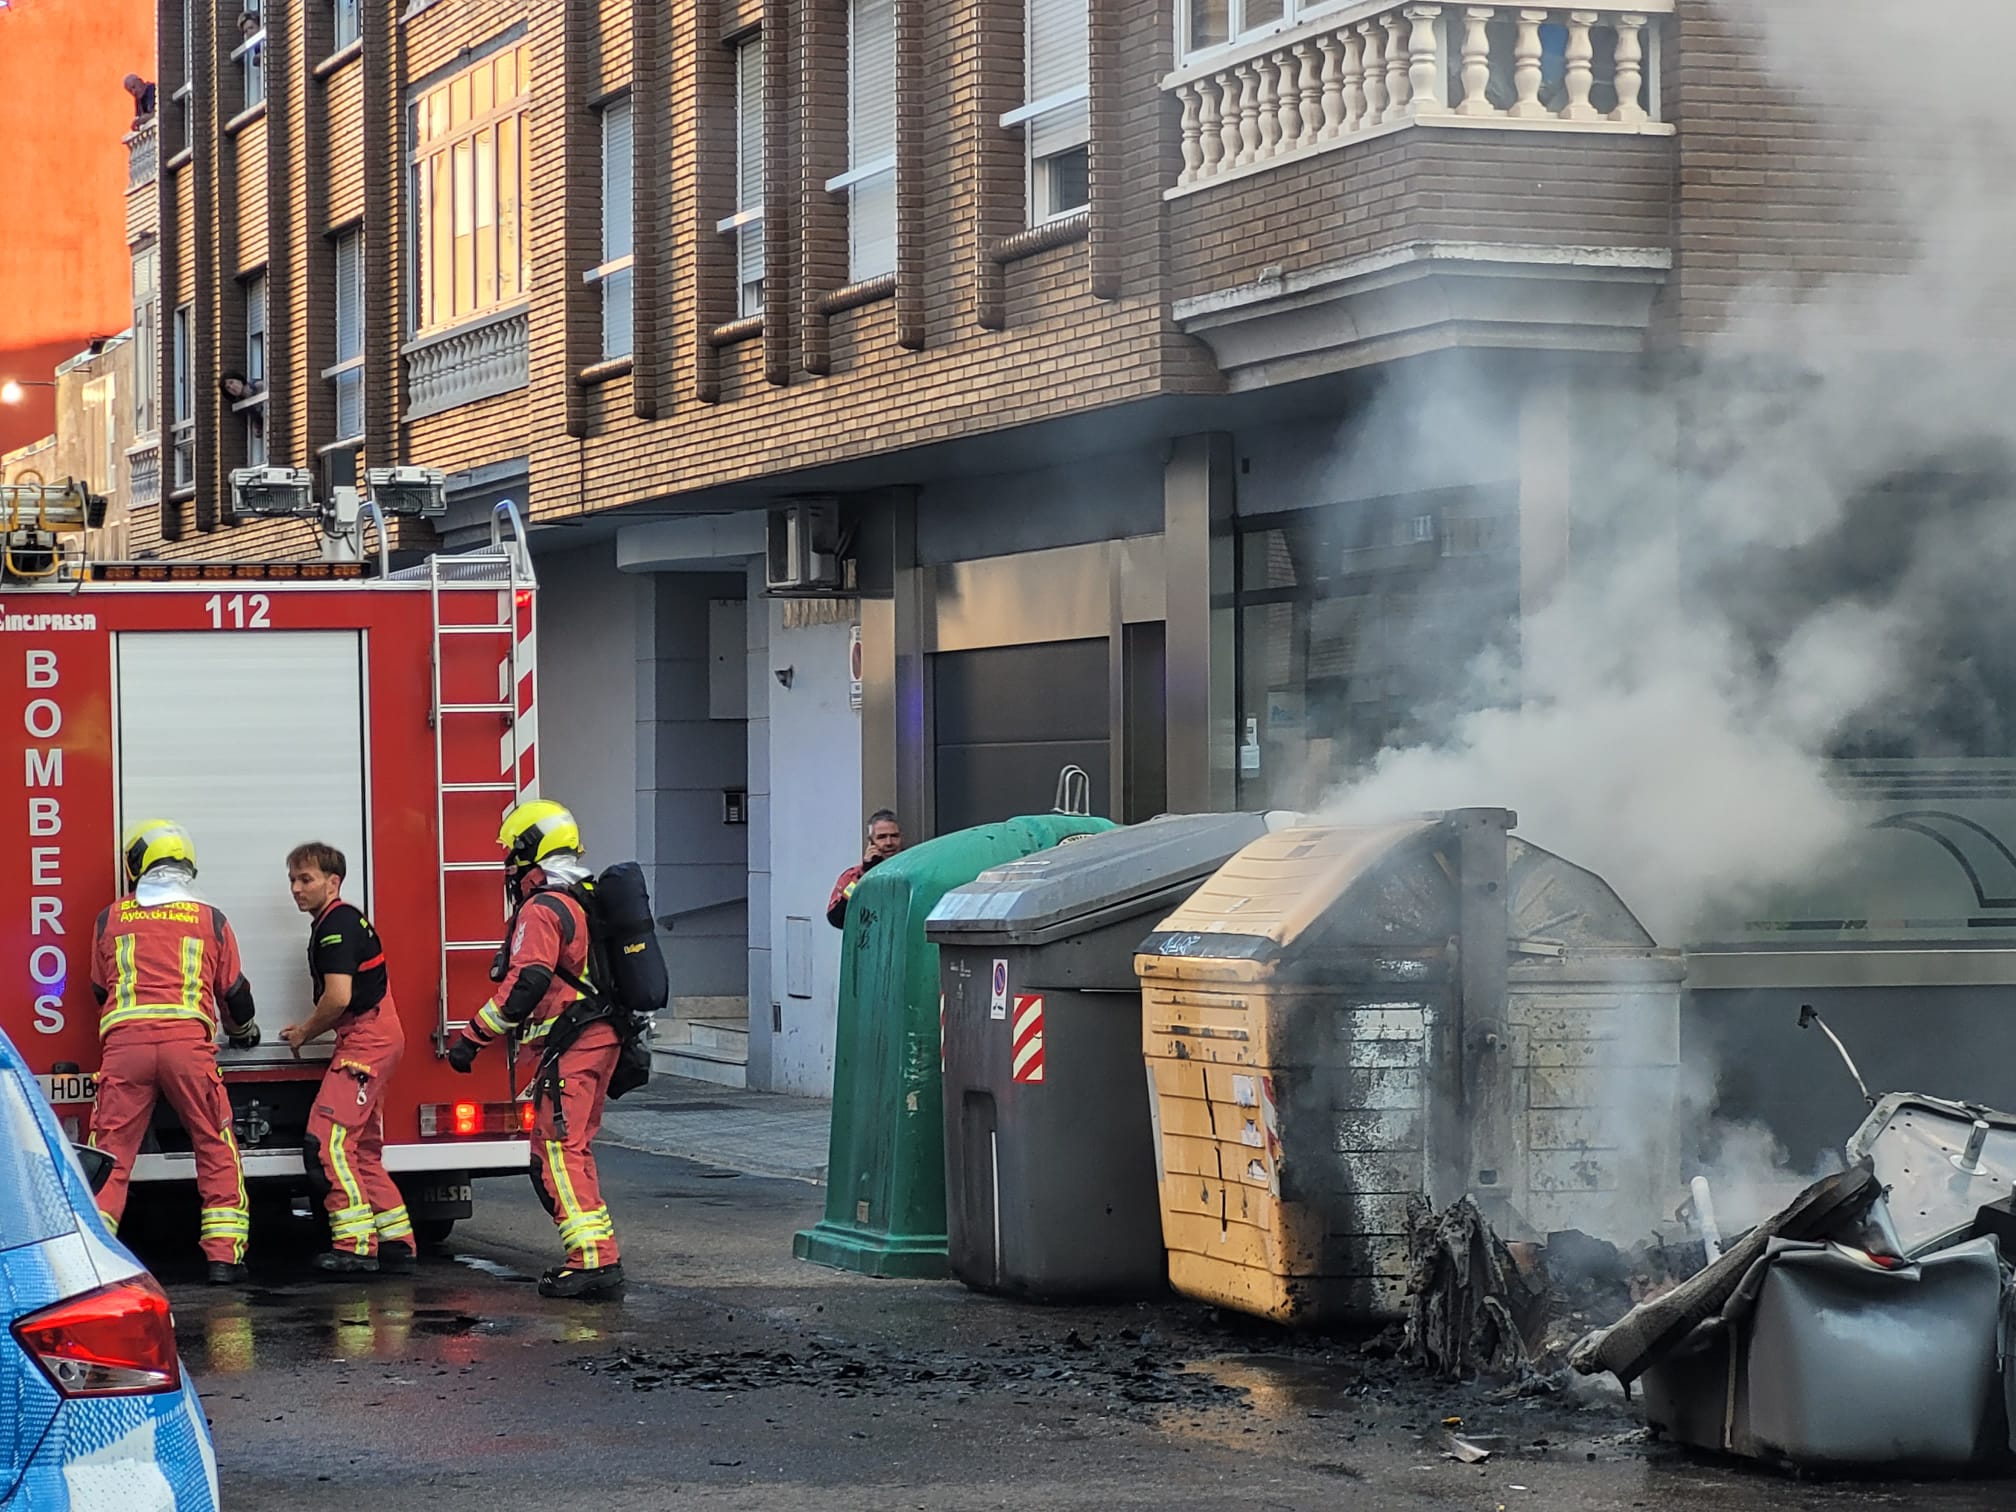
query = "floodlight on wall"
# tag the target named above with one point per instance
(274, 491)
(421, 491)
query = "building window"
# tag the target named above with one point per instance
(471, 181)
(249, 54)
(870, 179)
(1205, 24)
(146, 339)
(346, 374)
(1056, 113)
(746, 224)
(613, 274)
(346, 29)
(184, 397)
(185, 93)
(255, 332)
(252, 410)
(1358, 625)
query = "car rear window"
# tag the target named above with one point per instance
(34, 1205)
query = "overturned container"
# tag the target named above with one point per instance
(1049, 1156)
(1345, 1016)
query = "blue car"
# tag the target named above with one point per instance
(96, 1412)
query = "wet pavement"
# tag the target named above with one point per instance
(733, 1376)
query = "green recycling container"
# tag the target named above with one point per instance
(885, 1173)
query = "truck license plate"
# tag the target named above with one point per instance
(70, 1087)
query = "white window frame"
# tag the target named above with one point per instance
(346, 372)
(1241, 31)
(249, 55)
(184, 97)
(510, 211)
(1055, 124)
(147, 340)
(876, 174)
(346, 23)
(614, 278)
(253, 413)
(256, 323)
(182, 425)
(252, 410)
(745, 226)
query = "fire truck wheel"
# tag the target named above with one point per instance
(433, 1232)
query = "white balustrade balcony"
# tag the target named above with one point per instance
(1357, 71)
(480, 358)
(143, 153)
(143, 474)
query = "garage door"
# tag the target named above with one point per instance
(253, 743)
(1009, 719)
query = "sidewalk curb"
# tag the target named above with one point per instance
(816, 1176)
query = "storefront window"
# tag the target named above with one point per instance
(1361, 626)
(1930, 767)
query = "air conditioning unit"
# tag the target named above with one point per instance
(803, 543)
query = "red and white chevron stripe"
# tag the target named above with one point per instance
(1028, 1041)
(522, 740)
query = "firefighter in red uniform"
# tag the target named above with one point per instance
(163, 965)
(548, 946)
(344, 1148)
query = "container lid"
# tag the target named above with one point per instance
(1940, 1163)
(1392, 888)
(1094, 879)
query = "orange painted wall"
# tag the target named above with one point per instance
(64, 274)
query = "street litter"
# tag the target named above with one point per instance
(1466, 1452)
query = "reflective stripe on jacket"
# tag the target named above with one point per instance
(173, 960)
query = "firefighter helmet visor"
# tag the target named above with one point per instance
(153, 841)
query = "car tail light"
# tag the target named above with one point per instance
(474, 1120)
(116, 1341)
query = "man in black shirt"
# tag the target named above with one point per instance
(344, 1149)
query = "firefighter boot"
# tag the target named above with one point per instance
(395, 1258)
(344, 1262)
(598, 1281)
(225, 1273)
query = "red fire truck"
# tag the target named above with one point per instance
(390, 714)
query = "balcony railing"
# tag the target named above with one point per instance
(487, 356)
(1374, 68)
(143, 474)
(143, 154)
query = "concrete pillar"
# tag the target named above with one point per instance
(896, 726)
(1197, 502)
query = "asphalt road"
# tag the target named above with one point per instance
(733, 1376)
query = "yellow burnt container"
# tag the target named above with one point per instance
(1343, 1017)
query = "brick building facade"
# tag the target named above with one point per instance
(1165, 369)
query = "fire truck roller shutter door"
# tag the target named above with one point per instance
(254, 741)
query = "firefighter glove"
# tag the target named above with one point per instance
(243, 1036)
(462, 1055)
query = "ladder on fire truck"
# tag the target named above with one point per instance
(469, 787)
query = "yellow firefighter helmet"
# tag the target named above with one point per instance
(152, 841)
(538, 829)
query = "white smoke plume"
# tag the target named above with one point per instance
(1742, 602)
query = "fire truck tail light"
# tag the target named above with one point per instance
(474, 1120)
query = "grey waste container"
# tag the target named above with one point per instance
(1049, 1155)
